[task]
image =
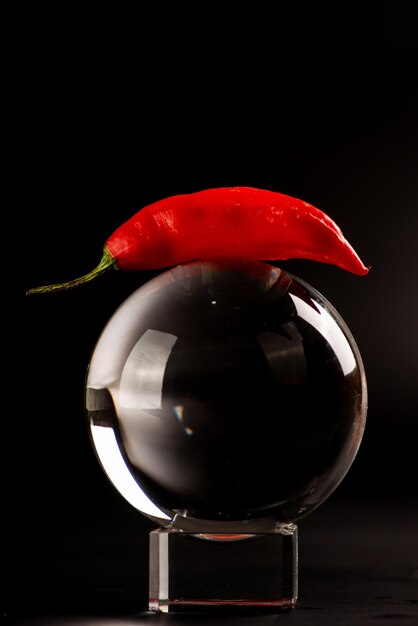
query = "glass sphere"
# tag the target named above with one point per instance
(226, 391)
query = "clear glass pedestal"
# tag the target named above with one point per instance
(192, 571)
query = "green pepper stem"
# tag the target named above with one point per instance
(107, 262)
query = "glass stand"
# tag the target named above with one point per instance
(207, 571)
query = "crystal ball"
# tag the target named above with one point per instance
(226, 391)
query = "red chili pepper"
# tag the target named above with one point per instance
(239, 222)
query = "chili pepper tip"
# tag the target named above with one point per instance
(107, 262)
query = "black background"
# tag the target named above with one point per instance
(109, 113)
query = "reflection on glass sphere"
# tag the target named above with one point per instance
(226, 391)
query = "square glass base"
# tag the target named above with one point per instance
(206, 571)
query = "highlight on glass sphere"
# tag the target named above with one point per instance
(226, 391)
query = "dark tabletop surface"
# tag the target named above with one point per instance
(358, 565)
